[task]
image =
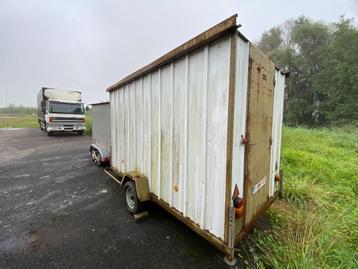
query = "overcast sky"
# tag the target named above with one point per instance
(88, 45)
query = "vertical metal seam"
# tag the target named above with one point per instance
(111, 98)
(114, 127)
(205, 130)
(159, 132)
(142, 136)
(134, 105)
(122, 127)
(230, 132)
(118, 153)
(128, 120)
(150, 129)
(171, 133)
(247, 135)
(186, 134)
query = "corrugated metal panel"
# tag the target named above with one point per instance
(171, 125)
(242, 66)
(240, 114)
(277, 117)
(101, 128)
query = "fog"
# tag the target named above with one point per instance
(89, 45)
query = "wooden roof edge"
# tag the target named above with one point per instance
(198, 41)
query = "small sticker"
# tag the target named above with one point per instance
(259, 185)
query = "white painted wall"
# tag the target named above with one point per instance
(171, 126)
(242, 69)
(279, 93)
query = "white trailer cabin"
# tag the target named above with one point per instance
(202, 126)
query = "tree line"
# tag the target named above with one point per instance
(322, 59)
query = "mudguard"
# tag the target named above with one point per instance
(105, 156)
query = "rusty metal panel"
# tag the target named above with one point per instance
(171, 126)
(277, 116)
(258, 132)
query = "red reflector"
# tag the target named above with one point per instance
(238, 212)
(49, 119)
(236, 192)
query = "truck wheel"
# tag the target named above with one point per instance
(49, 133)
(133, 205)
(96, 157)
(80, 132)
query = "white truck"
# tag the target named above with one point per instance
(60, 111)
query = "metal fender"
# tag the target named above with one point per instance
(142, 188)
(102, 151)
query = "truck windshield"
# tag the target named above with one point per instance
(66, 108)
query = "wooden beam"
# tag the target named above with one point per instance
(214, 32)
(230, 132)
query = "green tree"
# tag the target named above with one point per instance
(271, 40)
(322, 60)
(337, 81)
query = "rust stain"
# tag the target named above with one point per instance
(176, 188)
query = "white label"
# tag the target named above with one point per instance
(259, 185)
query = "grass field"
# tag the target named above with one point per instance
(315, 225)
(7, 121)
(29, 121)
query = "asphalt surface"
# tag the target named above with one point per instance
(58, 210)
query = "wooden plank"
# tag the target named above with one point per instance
(198, 41)
(141, 216)
(230, 132)
(259, 131)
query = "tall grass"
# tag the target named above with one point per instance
(89, 122)
(316, 224)
(19, 122)
(18, 110)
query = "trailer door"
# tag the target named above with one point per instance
(258, 133)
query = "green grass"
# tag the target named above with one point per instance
(18, 122)
(18, 110)
(89, 122)
(29, 121)
(316, 224)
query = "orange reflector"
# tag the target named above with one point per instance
(238, 212)
(277, 177)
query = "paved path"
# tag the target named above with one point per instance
(58, 210)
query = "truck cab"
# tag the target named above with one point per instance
(60, 111)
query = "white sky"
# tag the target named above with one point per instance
(88, 45)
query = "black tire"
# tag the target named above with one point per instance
(133, 205)
(49, 133)
(81, 132)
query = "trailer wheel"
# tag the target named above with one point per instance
(131, 200)
(96, 156)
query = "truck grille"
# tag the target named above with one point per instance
(57, 119)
